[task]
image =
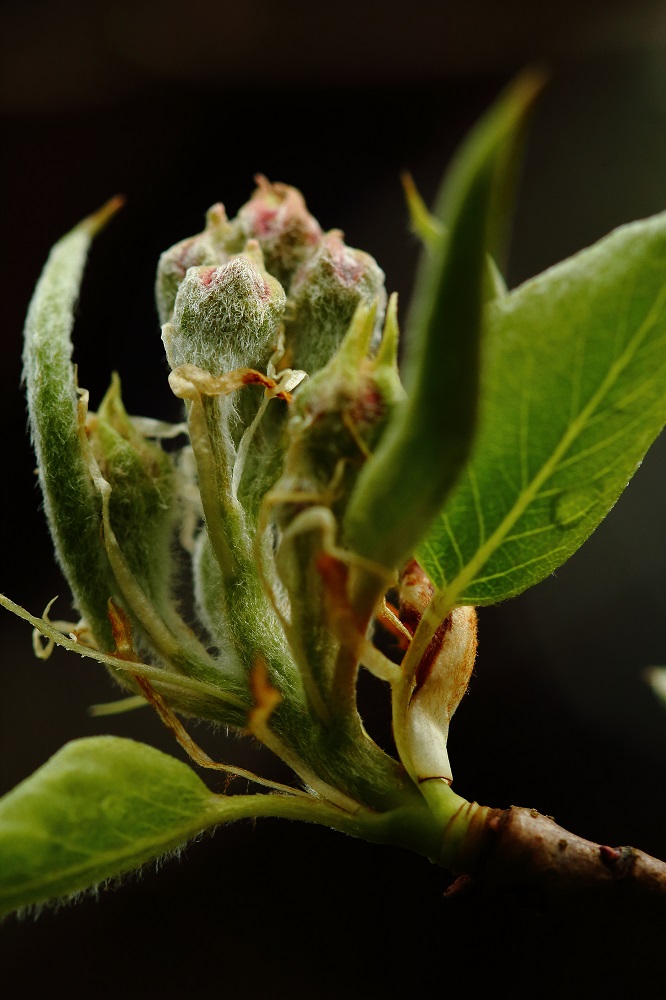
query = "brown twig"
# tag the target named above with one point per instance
(520, 848)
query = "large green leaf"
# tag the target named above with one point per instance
(98, 808)
(573, 394)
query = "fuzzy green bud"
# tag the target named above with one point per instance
(339, 414)
(277, 217)
(325, 293)
(225, 317)
(142, 506)
(208, 247)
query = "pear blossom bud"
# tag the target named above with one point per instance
(339, 414)
(225, 317)
(277, 217)
(441, 681)
(325, 293)
(208, 247)
(143, 508)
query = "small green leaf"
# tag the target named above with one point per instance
(430, 231)
(71, 502)
(403, 485)
(98, 808)
(423, 224)
(573, 394)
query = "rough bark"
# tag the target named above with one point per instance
(520, 848)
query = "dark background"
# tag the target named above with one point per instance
(177, 106)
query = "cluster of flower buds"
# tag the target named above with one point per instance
(268, 295)
(283, 348)
(224, 281)
(267, 291)
(269, 300)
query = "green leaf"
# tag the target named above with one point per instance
(573, 394)
(431, 231)
(403, 485)
(104, 806)
(98, 808)
(71, 502)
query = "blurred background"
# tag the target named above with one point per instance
(177, 106)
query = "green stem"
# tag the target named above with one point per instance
(458, 819)
(225, 532)
(342, 695)
(411, 828)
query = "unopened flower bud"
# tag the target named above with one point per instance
(225, 317)
(277, 217)
(339, 414)
(325, 293)
(208, 247)
(142, 506)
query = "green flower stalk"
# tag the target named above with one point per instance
(336, 516)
